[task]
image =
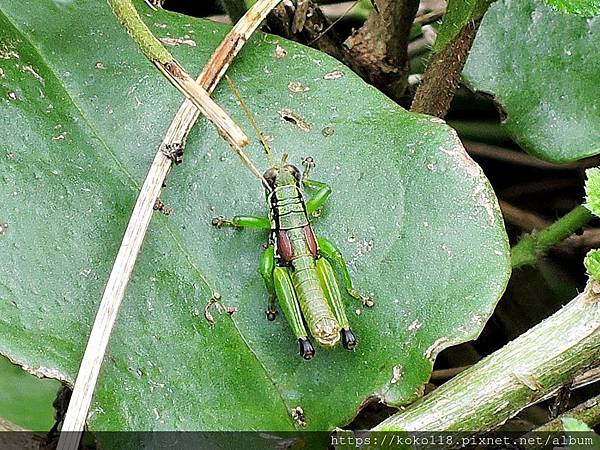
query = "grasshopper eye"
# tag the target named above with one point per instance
(270, 176)
(294, 171)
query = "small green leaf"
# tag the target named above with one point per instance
(592, 263)
(586, 8)
(592, 190)
(542, 68)
(579, 435)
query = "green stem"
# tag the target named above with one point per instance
(526, 371)
(139, 32)
(481, 131)
(526, 251)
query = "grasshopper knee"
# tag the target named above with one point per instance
(348, 338)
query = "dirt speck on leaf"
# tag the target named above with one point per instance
(298, 416)
(336, 74)
(295, 119)
(33, 72)
(397, 372)
(296, 86)
(3, 228)
(280, 52)
(327, 131)
(178, 41)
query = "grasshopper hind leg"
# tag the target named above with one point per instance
(348, 338)
(291, 309)
(334, 298)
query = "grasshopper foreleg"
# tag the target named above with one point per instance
(323, 190)
(318, 199)
(332, 253)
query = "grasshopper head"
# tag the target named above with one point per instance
(286, 175)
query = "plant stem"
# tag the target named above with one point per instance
(529, 369)
(381, 45)
(442, 76)
(526, 251)
(588, 412)
(487, 131)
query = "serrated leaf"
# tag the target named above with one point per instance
(586, 8)
(83, 115)
(592, 190)
(541, 66)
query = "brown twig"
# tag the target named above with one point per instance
(285, 20)
(169, 150)
(526, 220)
(504, 154)
(380, 45)
(445, 374)
(442, 76)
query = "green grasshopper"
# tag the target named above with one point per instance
(297, 266)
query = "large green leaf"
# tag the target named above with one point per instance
(82, 116)
(542, 68)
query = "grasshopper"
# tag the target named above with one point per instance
(297, 266)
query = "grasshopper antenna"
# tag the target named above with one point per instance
(247, 162)
(250, 117)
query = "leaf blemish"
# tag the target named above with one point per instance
(178, 41)
(32, 71)
(298, 416)
(3, 228)
(336, 74)
(527, 379)
(397, 372)
(8, 53)
(434, 349)
(207, 314)
(296, 86)
(280, 52)
(415, 325)
(294, 119)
